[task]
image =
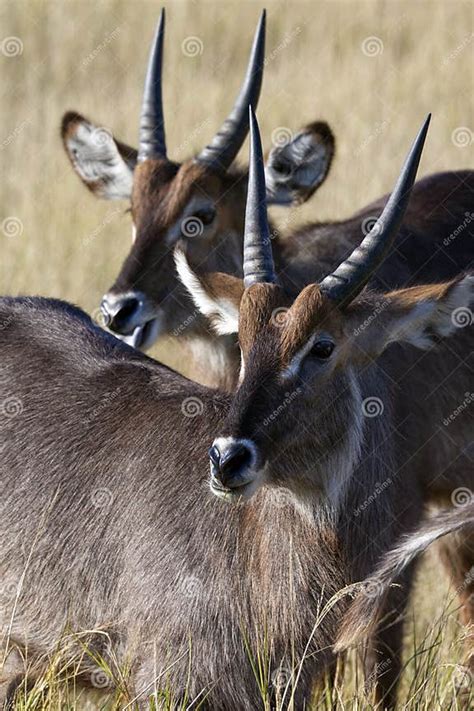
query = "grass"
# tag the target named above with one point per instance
(371, 69)
(433, 676)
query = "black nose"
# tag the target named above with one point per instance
(229, 463)
(119, 312)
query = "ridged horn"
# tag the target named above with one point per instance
(348, 280)
(227, 142)
(258, 259)
(152, 142)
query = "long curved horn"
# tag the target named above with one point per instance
(258, 258)
(152, 142)
(228, 140)
(352, 275)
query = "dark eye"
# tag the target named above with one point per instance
(322, 349)
(206, 215)
(282, 168)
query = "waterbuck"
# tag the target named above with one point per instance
(322, 403)
(201, 202)
(109, 529)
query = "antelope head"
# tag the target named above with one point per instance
(199, 202)
(297, 415)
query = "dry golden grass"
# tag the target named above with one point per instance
(372, 69)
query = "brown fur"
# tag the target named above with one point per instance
(295, 422)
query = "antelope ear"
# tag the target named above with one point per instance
(216, 295)
(419, 316)
(294, 170)
(104, 165)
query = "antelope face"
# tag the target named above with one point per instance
(298, 399)
(187, 204)
(199, 203)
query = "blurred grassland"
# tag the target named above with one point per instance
(372, 69)
(91, 56)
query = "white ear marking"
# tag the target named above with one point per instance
(222, 313)
(97, 160)
(441, 317)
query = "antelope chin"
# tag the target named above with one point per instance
(144, 335)
(237, 493)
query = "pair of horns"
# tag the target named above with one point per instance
(225, 145)
(350, 277)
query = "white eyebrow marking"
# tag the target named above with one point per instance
(295, 364)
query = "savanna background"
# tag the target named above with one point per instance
(371, 68)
